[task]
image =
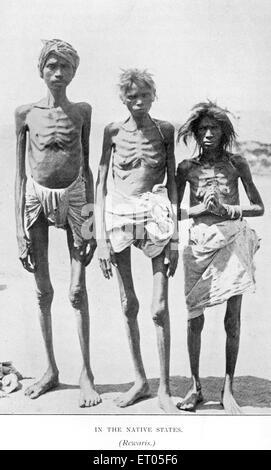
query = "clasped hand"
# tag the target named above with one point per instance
(212, 203)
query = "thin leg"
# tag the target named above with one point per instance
(232, 327)
(194, 395)
(79, 301)
(130, 308)
(160, 316)
(39, 237)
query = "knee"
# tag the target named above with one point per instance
(130, 305)
(45, 296)
(77, 295)
(232, 326)
(159, 312)
(195, 325)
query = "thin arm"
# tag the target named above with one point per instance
(85, 146)
(20, 180)
(256, 207)
(181, 180)
(171, 181)
(101, 184)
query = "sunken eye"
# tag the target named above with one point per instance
(135, 97)
(205, 128)
(54, 66)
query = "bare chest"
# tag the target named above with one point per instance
(222, 177)
(142, 147)
(53, 127)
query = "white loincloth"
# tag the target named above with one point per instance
(145, 221)
(218, 263)
(60, 206)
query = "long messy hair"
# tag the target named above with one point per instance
(139, 77)
(211, 110)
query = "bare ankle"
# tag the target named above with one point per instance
(52, 370)
(196, 385)
(164, 390)
(86, 375)
(141, 382)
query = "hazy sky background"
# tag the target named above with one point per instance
(196, 49)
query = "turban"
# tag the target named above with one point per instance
(62, 49)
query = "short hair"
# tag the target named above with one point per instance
(139, 77)
(212, 110)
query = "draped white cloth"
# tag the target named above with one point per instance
(145, 221)
(218, 263)
(60, 206)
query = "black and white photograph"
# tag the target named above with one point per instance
(135, 224)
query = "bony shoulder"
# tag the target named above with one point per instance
(166, 127)
(23, 110)
(112, 128)
(238, 160)
(84, 107)
(185, 165)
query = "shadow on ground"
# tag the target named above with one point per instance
(251, 393)
(248, 390)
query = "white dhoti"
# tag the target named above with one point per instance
(60, 206)
(218, 263)
(145, 221)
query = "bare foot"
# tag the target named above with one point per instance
(137, 392)
(46, 383)
(229, 404)
(88, 395)
(166, 403)
(191, 400)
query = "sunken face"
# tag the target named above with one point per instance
(138, 99)
(209, 134)
(57, 72)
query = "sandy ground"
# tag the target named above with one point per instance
(20, 337)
